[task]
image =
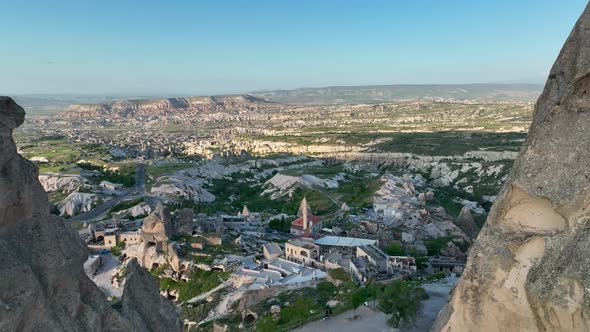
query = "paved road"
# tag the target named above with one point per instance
(103, 208)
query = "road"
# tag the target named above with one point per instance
(103, 208)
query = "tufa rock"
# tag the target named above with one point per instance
(183, 221)
(141, 287)
(158, 226)
(529, 268)
(466, 222)
(44, 287)
(154, 249)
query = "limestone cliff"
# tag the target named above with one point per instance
(43, 286)
(529, 268)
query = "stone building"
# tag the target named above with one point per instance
(302, 251)
(111, 238)
(446, 265)
(376, 258)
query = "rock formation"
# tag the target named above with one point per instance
(76, 203)
(158, 226)
(43, 285)
(63, 182)
(183, 221)
(529, 268)
(139, 288)
(155, 249)
(466, 222)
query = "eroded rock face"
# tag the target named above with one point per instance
(155, 248)
(158, 226)
(139, 288)
(183, 221)
(43, 285)
(466, 222)
(529, 268)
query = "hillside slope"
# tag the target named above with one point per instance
(166, 106)
(385, 93)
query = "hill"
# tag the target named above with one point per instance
(385, 93)
(166, 106)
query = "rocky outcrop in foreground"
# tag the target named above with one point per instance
(529, 268)
(43, 285)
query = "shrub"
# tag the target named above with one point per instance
(340, 274)
(116, 250)
(394, 249)
(363, 294)
(435, 245)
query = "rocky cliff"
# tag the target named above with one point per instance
(43, 285)
(529, 268)
(166, 106)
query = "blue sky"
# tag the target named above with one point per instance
(209, 47)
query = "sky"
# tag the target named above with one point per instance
(143, 47)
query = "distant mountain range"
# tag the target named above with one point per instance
(92, 106)
(384, 93)
(166, 106)
(41, 104)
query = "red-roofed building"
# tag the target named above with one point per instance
(307, 224)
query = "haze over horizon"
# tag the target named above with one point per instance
(200, 48)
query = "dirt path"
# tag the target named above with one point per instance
(206, 294)
(362, 319)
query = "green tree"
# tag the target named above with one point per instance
(402, 300)
(362, 295)
(281, 225)
(394, 249)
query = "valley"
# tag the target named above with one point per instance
(229, 175)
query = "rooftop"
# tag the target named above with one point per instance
(273, 248)
(374, 252)
(302, 244)
(298, 223)
(338, 241)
